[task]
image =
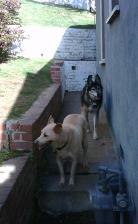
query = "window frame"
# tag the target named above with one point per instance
(102, 34)
(113, 12)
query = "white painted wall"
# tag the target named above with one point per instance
(77, 44)
(58, 43)
(76, 47)
(74, 80)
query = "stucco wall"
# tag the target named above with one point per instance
(120, 81)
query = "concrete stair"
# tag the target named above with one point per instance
(66, 204)
(56, 199)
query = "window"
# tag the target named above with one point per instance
(112, 4)
(102, 33)
(113, 10)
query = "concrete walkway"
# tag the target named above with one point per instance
(101, 151)
(58, 200)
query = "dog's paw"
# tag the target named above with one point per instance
(95, 136)
(61, 182)
(85, 163)
(71, 182)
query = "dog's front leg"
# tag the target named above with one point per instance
(85, 148)
(61, 170)
(95, 122)
(72, 173)
(88, 125)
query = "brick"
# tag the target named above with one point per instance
(55, 69)
(56, 73)
(19, 201)
(16, 136)
(15, 126)
(55, 76)
(56, 80)
(26, 136)
(3, 136)
(3, 145)
(60, 63)
(2, 126)
(22, 145)
(26, 128)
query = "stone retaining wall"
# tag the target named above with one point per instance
(75, 74)
(72, 75)
(20, 134)
(57, 43)
(17, 187)
(77, 44)
(18, 175)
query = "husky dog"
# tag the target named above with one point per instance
(67, 139)
(91, 101)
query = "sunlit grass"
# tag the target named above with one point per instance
(34, 13)
(22, 81)
(6, 155)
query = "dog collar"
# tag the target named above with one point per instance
(63, 146)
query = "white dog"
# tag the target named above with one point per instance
(67, 140)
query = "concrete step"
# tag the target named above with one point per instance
(95, 159)
(72, 218)
(55, 199)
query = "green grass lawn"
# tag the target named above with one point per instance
(22, 81)
(34, 13)
(5, 155)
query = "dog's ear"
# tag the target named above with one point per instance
(98, 79)
(89, 79)
(58, 128)
(50, 120)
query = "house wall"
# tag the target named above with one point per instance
(120, 81)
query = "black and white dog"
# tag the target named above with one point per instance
(91, 100)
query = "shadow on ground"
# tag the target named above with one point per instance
(32, 87)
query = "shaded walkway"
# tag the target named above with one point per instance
(72, 200)
(101, 151)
